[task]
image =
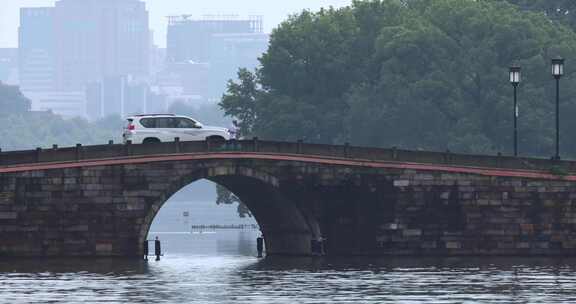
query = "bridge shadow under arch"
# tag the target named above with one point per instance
(287, 228)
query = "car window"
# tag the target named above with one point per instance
(148, 122)
(184, 123)
(164, 122)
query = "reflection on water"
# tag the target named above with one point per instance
(214, 268)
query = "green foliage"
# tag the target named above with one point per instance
(12, 101)
(43, 129)
(225, 197)
(241, 100)
(414, 74)
(21, 129)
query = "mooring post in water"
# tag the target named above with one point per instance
(157, 249)
(145, 244)
(260, 245)
(314, 247)
(317, 246)
(321, 245)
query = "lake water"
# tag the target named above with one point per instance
(221, 267)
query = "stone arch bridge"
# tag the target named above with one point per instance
(101, 200)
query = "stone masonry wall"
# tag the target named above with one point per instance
(408, 212)
(106, 210)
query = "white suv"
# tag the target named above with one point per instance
(154, 128)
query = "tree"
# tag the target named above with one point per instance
(415, 74)
(241, 100)
(226, 197)
(12, 101)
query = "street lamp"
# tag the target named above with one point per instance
(557, 72)
(515, 80)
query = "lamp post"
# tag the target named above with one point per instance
(515, 80)
(557, 72)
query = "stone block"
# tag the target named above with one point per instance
(453, 245)
(483, 202)
(91, 193)
(569, 244)
(495, 203)
(102, 200)
(70, 180)
(429, 245)
(136, 206)
(421, 176)
(466, 189)
(506, 245)
(391, 226)
(382, 238)
(104, 248)
(78, 228)
(412, 232)
(8, 215)
(401, 183)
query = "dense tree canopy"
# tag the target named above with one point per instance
(22, 129)
(43, 129)
(12, 101)
(414, 74)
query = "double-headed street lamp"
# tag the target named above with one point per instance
(557, 72)
(515, 80)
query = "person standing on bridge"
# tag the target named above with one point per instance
(235, 130)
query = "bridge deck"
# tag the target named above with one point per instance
(89, 156)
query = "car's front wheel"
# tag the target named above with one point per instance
(150, 140)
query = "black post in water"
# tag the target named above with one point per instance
(145, 245)
(157, 249)
(314, 247)
(321, 246)
(260, 245)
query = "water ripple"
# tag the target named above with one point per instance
(244, 279)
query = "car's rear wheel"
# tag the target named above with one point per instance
(150, 140)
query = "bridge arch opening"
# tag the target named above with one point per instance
(205, 219)
(287, 229)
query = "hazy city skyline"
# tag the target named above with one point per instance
(273, 13)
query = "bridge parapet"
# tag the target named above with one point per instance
(110, 151)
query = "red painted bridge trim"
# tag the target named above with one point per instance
(288, 157)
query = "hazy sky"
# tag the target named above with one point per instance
(274, 11)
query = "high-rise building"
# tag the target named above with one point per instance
(117, 96)
(99, 39)
(229, 52)
(66, 48)
(37, 56)
(205, 53)
(190, 39)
